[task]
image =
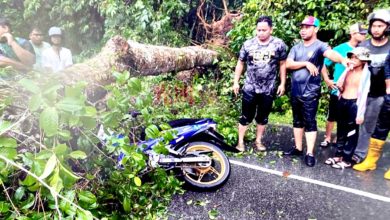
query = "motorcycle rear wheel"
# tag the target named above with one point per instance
(207, 177)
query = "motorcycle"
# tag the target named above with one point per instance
(195, 152)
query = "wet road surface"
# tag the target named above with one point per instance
(294, 192)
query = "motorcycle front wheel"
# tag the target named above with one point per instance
(205, 177)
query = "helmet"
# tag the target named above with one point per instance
(382, 15)
(55, 31)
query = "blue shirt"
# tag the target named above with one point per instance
(339, 68)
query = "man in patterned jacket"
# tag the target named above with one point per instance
(264, 56)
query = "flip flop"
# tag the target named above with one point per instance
(325, 144)
(342, 165)
(332, 160)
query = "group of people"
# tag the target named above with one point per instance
(25, 55)
(360, 89)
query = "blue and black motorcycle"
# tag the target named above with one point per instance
(195, 153)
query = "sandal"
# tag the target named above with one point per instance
(260, 146)
(325, 143)
(240, 147)
(342, 165)
(332, 160)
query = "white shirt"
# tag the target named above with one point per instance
(55, 62)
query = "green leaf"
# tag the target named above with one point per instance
(90, 111)
(213, 214)
(189, 202)
(126, 204)
(19, 193)
(29, 85)
(78, 155)
(48, 121)
(4, 207)
(56, 181)
(4, 125)
(9, 153)
(70, 104)
(152, 131)
(50, 165)
(137, 181)
(84, 215)
(60, 149)
(87, 197)
(29, 202)
(69, 178)
(35, 102)
(8, 142)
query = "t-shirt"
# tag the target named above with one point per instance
(38, 54)
(339, 68)
(7, 51)
(376, 67)
(56, 62)
(303, 84)
(262, 64)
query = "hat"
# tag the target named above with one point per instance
(55, 31)
(358, 28)
(312, 21)
(361, 53)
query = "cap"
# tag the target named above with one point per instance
(362, 53)
(312, 21)
(358, 28)
(55, 31)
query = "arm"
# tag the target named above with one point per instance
(295, 65)
(24, 56)
(237, 75)
(282, 73)
(4, 62)
(335, 57)
(325, 76)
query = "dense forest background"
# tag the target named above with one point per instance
(51, 166)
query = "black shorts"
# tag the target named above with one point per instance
(332, 111)
(304, 112)
(255, 104)
(383, 123)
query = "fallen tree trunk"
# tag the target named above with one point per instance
(138, 59)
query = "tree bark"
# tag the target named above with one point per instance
(138, 59)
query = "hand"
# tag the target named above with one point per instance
(236, 88)
(312, 69)
(359, 121)
(330, 84)
(281, 90)
(9, 37)
(348, 63)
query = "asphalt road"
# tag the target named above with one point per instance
(294, 191)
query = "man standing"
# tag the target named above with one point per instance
(382, 129)
(357, 34)
(264, 55)
(57, 57)
(15, 52)
(305, 60)
(36, 40)
(379, 45)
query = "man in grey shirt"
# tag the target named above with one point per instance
(379, 45)
(305, 60)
